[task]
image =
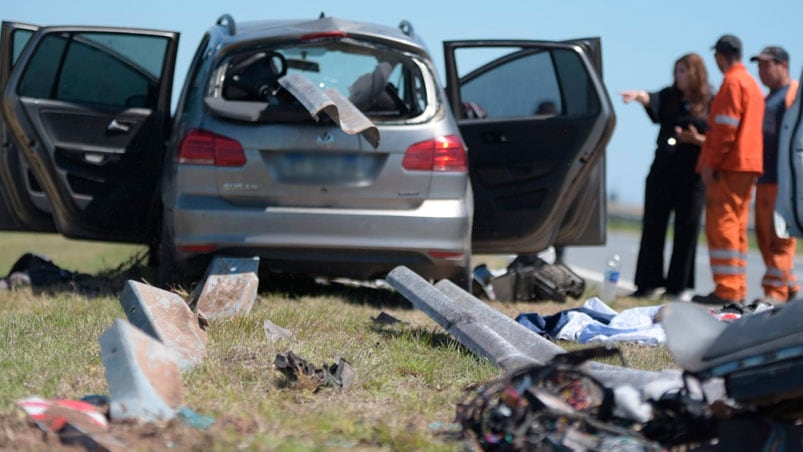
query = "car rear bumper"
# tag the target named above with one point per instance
(433, 239)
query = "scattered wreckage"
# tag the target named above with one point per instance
(145, 354)
(740, 386)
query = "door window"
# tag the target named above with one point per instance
(524, 83)
(108, 69)
(19, 39)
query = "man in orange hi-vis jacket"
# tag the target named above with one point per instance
(730, 160)
(779, 281)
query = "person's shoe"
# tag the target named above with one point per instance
(648, 293)
(713, 299)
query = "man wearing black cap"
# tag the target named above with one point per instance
(730, 160)
(778, 252)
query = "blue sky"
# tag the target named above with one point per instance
(641, 39)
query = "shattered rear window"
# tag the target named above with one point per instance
(385, 85)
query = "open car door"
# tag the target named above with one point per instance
(536, 118)
(17, 212)
(87, 110)
(789, 203)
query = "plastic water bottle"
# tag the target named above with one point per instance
(611, 278)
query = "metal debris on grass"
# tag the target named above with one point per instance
(300, 372)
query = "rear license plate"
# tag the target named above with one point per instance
(322, 168)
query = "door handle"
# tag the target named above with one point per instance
(119, 127)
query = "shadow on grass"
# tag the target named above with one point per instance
(427, 336)
(295, 287)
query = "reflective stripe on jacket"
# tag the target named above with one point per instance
(734, 139)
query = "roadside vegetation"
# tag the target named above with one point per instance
(409, 376)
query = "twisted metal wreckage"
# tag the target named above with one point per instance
(739, 386)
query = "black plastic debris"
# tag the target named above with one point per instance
(36, 270)
(529, 278)
(383, 318)
(298, 370)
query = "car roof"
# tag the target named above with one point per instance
(261, 30)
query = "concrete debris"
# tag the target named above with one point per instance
(534, 346)
(166, 317)
(229, 287)
(274, 332)
(302, 373)
(143, 375)
(492, 335)
(466, 326)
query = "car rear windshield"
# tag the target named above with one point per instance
(384, 84)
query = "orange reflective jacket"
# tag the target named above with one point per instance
(734, 139)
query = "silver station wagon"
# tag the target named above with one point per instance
(325, 146)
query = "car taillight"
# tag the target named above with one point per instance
(442, 154)
(201, 147)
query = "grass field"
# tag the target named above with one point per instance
(409, 376)
(74, 255)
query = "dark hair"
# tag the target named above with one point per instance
(699, 91)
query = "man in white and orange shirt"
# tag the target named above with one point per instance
(779, 281)
(730, 160)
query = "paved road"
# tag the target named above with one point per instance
(590, 262)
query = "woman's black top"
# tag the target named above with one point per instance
(667, 108)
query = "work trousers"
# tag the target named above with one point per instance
(668, 191)
(778, 253)
(727, 210)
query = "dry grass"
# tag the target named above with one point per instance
(409, 375)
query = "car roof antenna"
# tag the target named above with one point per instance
(230, 27)
(406, 27)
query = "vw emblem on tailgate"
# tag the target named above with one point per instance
(326, 140)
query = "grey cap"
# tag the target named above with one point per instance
(729, 45)
(772, 53)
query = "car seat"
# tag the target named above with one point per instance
(369, 91)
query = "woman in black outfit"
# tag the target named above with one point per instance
(673, 186)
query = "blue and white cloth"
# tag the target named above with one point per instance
(595, 321)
